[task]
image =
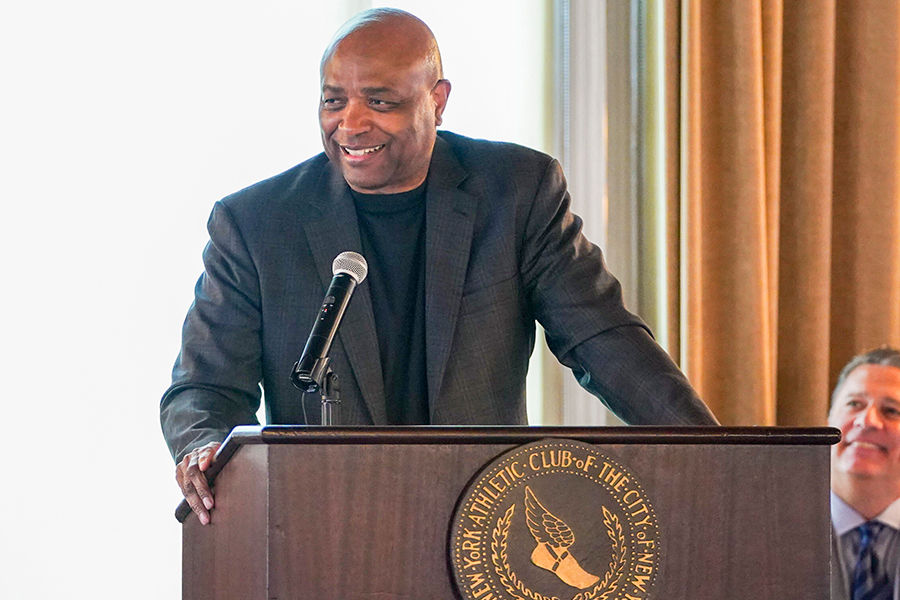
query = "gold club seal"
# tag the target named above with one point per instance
(554, 520)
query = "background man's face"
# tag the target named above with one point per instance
(867, 411)
(378, 113)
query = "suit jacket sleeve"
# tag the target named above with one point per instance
(215, 381)
(579, 303)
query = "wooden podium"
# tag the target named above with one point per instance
(365, 513)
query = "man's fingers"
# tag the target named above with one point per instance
(192, 481)
(201, 487)
(197, 506)
(194, 486)
(207, 453)
(197, 478)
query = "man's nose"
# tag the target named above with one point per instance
(870, 417)
(355, 119)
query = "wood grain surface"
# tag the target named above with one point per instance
(368, 519)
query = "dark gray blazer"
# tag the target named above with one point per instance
(502, 249)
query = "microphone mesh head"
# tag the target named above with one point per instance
(352, 264)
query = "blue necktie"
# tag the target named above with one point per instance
(870, 581)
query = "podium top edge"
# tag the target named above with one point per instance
(292, 434)
(444, 435)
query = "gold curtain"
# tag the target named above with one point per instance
(783, 199)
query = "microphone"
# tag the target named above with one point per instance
(349, 270)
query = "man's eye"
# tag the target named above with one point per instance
(892, 413)
(382, 104)
(331, 102)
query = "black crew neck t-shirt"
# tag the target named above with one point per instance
(392, 231)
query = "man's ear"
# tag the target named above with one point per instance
(439, 94)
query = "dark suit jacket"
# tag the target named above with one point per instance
(842, 573)
(502, 249)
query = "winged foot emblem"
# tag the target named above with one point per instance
(553, 539)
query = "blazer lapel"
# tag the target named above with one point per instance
(449, 221)
(331, 228)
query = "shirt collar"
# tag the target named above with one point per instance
(845, 519)
(891, 515)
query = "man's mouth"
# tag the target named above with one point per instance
(863, 445)
(361, 151)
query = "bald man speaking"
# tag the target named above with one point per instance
(468, 243)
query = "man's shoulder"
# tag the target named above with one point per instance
(487, 154)
(286, 186)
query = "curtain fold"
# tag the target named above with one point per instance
(804, 260)
(783, 149)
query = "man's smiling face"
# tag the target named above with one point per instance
(866, 408)
(381, 102)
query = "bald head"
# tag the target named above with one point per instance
(383, 97)
(389, 30)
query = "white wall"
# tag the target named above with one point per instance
(120, 125)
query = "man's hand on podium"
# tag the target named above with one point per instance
(192, 481)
